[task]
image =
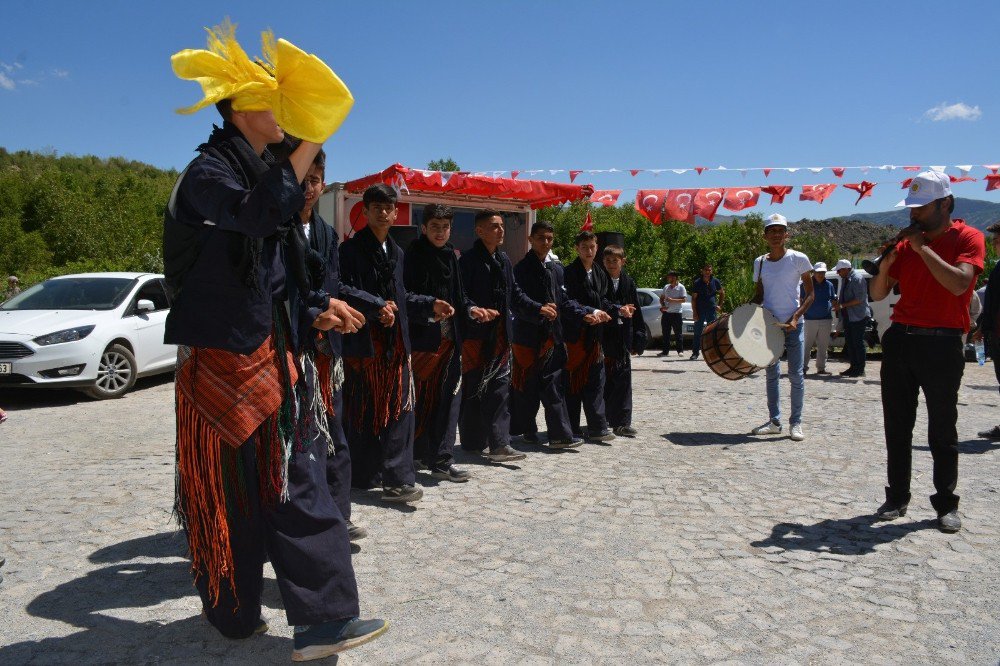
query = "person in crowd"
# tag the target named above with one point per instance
(431, 269)
(539, 352)
(250, 478)
(378, 398)
(778, 275)
(672, 299)
(852, 306)
(707, 296)
(587, 284)
(818, 319)
(988, 323)
(13, 288)
(935, 264)
(624, 336)
(488, 277)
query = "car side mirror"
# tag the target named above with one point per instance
(145, 305)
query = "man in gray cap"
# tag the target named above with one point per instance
(852, 306)
(935, 264)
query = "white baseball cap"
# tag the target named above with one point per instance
(775, 220)
(819, 267)
(843, 263)
(926, 187)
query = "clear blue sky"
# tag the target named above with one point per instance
(547, 85)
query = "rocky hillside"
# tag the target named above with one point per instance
(852, 237)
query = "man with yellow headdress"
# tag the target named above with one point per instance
(251, 472)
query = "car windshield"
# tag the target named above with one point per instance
(83, 293)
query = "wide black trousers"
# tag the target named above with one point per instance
(338, 464)
(934, 365)
(485, 418)
(385, 457)
(591, 398)
(618, 393)
(436, 444)
(545, 387)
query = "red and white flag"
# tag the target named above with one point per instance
(777, 192)
(588, 224)
(767, 171)
(573, 173)
(680, 205)
(864, 189)
(911, 168)
(838, 171)
(962, 179)
(738, 199)
(817, 193)
(992, 182)
(906, 183)
(606, 197)
(706, 202)
(649, 204)
(992, 167)
(634, 171)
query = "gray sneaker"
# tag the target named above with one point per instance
(405, 494)
(450, 473)
(322, 640)
(890, 511)
(505, 454)
(769, 428)
(356, 532)
(950, 522)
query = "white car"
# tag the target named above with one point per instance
(94, 331)
(649, 301)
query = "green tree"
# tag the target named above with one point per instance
(446, 164)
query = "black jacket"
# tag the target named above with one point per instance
(624, 335)
(477, 267)
(592, 295)
(425, 333)
(533, 330)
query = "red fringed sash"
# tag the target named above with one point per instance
(526, 359)
(428, 371)
(580, 359)
(376, 393)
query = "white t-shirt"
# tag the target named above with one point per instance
(673, 292)
(781, 280)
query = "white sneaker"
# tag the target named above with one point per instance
(769, 428)
(797, 435)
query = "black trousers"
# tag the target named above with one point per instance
(854, 343)
(306, 541)
(383, 458)
(436, 444)
(618, 393)
(672, 323)
(338, 465)
(485, 419)
(591, 398)
(545, 387)
(933, 364)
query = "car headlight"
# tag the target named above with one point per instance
(68, 335)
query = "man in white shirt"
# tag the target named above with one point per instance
(671, 320)
(778, 275)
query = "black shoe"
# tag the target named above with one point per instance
(992, 433)
(322, 640)
(404, 494)
(356, 532)
(693, 357)
(505, 454)
(950, 522)
(890, 511)
(570, 443)
(664, 353)
(626, 431)
(530, 437)
(605, 436)
(450, 473)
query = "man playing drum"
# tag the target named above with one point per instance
(778, 275)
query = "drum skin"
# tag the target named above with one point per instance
(738, 344)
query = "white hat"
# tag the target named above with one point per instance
(843, 263)
(819, 267)
(775, 220)
(926, 187)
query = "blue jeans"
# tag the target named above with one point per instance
(700, 319)
(794, 350)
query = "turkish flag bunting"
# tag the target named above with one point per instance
(573, 174)
(864, 189)
(777, 192)
(649, 204)
(992, 167)
(588, 224)
(514, 174)
(767, 172)
(634, 171)
(700, 169)
(738, 199)
(838, 171)
(993, 182)
(906, 183)
(606, 197)
(911, 168)
(680, 205)
(963, 179)
(706, 202)
(817, 193)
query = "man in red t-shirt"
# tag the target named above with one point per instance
(935, 265)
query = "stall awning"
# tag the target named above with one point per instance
(536, 193)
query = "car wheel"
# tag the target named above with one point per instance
(116, 374)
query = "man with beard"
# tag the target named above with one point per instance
(431, 269)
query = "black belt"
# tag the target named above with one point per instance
(910, 329)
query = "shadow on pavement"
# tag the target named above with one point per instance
(14, 399)
(971, 446)
(714, 438)
(373, 497)
(841, 536)
(101, 602)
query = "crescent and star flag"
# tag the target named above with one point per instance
(838, 171)
(817, 193)
(649, 204)
(680, 205)
(864, 189)
(707, 201)
(738, 199)
(588, 224)
(607, 197)
(777, 192)
(992, 182)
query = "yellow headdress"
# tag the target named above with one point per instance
(308, 100)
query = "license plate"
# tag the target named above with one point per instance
(5, 368)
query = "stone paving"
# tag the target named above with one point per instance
(693, 543)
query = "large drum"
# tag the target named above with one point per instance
(739, 344)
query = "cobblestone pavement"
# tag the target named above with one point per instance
(693, 543)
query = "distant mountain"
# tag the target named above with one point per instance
(976, 213)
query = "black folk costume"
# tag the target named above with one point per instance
(250, 476)
(437, 350)
(489, 283)
(623, 336)
(378, 395)
(585, 365)
(539, 351)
